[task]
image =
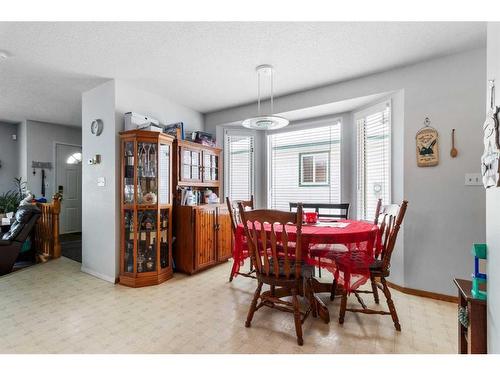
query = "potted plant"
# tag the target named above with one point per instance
(9, 201)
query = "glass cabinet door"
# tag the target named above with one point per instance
(195, 165)
(147, 241)
(190, 165)
(147, 171)
(164, 245)
(210, 167)
(128, 173)
(164, 160)
(128, 259)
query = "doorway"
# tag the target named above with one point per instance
(68, 182)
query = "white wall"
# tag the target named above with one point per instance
(128, 99)
(8, 156)
(444, 217)
(493, 208)
(22, 153)
(100, 213)
(41, 138)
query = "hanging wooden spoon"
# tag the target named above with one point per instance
(454, 151)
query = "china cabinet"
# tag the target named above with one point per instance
(202, 231)
(146, 208)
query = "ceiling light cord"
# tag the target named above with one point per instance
(267, 121)
(258, 93)
(272, 91)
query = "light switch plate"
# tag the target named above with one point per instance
(473, 179)
(101, 181)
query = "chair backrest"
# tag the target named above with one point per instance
(389, 221)
(342, 208)
(268, 241)
(377, 211)
(234, 212)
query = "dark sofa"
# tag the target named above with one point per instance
(12, 241)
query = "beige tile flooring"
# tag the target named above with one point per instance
(55, 308)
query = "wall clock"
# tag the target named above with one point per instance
(489, 160)
(427, 140)
(96, 127)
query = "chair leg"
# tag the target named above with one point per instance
(233, 271)
(375, 290)
(309, 294)
(319, 267)
(296, 316)
(333, 290)
(343, 306)
(390, 303)
(253, 306)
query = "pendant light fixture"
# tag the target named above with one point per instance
(265, 121)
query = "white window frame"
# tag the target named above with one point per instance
(301, 169)
(231, 132)
(361, 175)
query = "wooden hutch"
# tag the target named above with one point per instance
(202, 231)
(146, 208)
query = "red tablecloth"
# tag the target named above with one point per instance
(349, 263)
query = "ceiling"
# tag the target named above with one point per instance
(205, 66)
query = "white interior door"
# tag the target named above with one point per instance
(69, 183)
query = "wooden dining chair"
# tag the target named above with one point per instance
(277, 264)
(377, 211)
(389, 220)
(342, 209)
(234, 214)
(342, 213)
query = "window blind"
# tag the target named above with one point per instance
(292, 151)
(373, 159)
(240, 166)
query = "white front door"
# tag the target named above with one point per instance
(69, 183)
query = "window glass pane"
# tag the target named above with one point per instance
(374, 160)
(239, 156)
(75, 158)
(318, 149)
(320, 166)
(307, 169)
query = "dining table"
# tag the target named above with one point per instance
(344, 247)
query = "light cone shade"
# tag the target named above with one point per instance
(265, 122)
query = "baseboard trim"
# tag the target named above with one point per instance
(98, 275)
(423, 293)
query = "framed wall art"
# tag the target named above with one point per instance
(427, 140)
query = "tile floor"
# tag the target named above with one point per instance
(55, 308)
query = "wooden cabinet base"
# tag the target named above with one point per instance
(191, 271)
(140, 281)
(203, 237)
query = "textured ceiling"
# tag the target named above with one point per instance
(205, 66)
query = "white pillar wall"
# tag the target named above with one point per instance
(100, 204)
(493, 208)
